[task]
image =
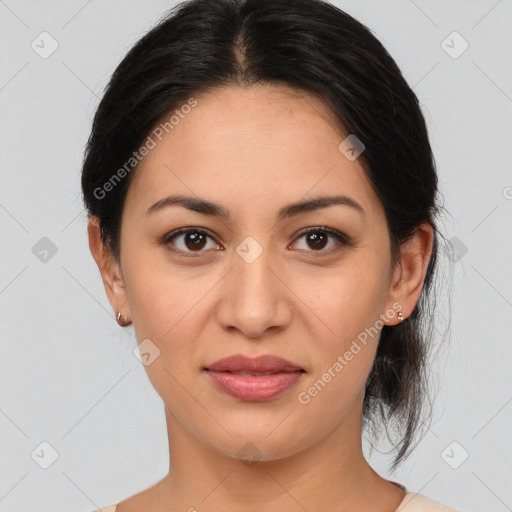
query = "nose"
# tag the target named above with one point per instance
(254, 298)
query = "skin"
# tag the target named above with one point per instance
(254, 150)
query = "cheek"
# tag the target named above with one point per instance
(171, 310)
(351, 307)
(163, 299)
(343, 363)
(350, 300)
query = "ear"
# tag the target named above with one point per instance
(109, 269)
(410, 272)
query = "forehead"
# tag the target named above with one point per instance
(274, 116)
(258, 145)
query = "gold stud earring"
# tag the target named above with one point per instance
(122, 320)
(400, 316)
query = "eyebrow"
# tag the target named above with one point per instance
(208, 208)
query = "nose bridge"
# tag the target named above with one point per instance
(251, 270)
(253, 299)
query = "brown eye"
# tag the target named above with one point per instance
(189, 240)
(318, 238)
(194, 241)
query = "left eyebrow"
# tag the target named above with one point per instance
(208, 208)
(316, 203)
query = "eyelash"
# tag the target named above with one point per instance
(342, 240)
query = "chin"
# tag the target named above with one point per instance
(251, 443)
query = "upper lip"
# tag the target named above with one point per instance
(265, 363)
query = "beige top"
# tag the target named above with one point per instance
(412, 502)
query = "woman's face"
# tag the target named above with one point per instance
(256, 284)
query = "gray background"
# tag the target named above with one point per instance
(68, 373)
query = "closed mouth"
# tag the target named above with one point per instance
(256, 374)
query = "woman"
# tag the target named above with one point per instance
(262, 201)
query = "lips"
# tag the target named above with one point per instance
(253, 366)
(254, 379)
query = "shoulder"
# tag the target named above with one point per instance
(412, 502)
(415, 502)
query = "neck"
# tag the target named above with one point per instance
(314, 478)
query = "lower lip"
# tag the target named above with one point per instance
(254, 388)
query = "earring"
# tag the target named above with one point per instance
(400, 316)
(122, 320)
